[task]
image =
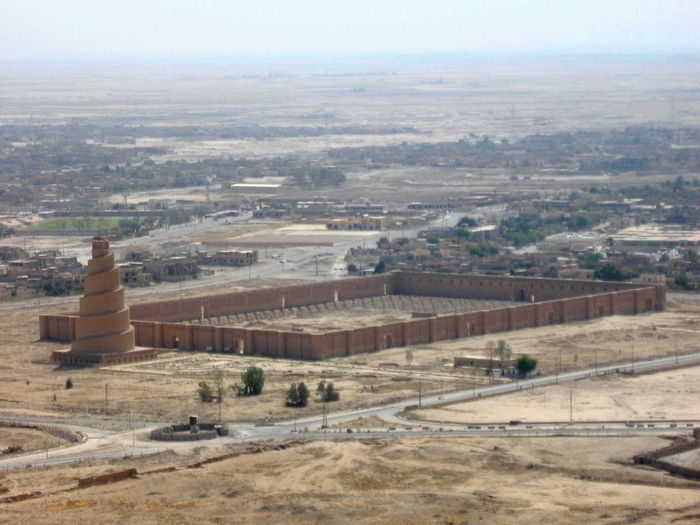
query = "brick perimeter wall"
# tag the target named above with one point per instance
(602, 299)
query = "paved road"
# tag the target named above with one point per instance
(388, 412)
(300, 266)
(126, 440)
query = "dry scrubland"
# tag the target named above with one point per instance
(441, 101)
(664, 396)
(163, 390)
(559, 481)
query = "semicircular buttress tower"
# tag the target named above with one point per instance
(104, 325)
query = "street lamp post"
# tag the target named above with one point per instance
(596, 362)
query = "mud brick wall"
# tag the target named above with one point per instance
(536, 302)
(266, 299)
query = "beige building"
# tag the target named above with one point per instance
(133, 274)
(480, 361)
(229, 258)
(357, 223)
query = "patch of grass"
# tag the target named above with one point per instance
(76, 223)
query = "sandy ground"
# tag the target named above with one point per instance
(29, 439)
(354, 313)
(510, 481)
(442, 99)
(164, 390)
(302, 235)
(663, 396)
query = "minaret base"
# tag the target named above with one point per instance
(66, 358)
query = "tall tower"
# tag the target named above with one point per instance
(104, 323)
(103, 331)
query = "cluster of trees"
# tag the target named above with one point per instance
(685, 282)
(503, 351)
(297, 395)
(53, 289)
(611, 272)
(327, 392)
(329, 176)
(252, 384)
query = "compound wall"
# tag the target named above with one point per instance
(265, 299)
(551, 301)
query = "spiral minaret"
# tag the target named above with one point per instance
(104, 324)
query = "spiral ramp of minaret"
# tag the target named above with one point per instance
(104, 324)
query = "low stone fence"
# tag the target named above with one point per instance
(182, 432)
(107, 478)
(653, 459)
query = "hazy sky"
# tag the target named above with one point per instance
(68, 29)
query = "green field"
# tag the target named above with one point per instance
(76, 223)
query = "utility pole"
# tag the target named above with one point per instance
(676, 349)
(571, 407)
(420, 388)
(106, 399)
(46, 443)
(316, 257)
(596, 362)
(560, 360)
(633, 359)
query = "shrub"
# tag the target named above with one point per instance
(380, 268)
(69, 383)
(526, 364)
(205, 392)
(253, 381)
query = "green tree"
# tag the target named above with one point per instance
(352, 267)
(253, 381)
(682, 281)
(467, 221)
(409, 356)
(380, 267)
(609, 272)
(526, 364)
(205, 392)
(129, 226)
(200, 211)
(218, 377)
(552, 272)
(327, 392)
(297, 395)
(69, 383)
(503, 350)
(590, 260)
